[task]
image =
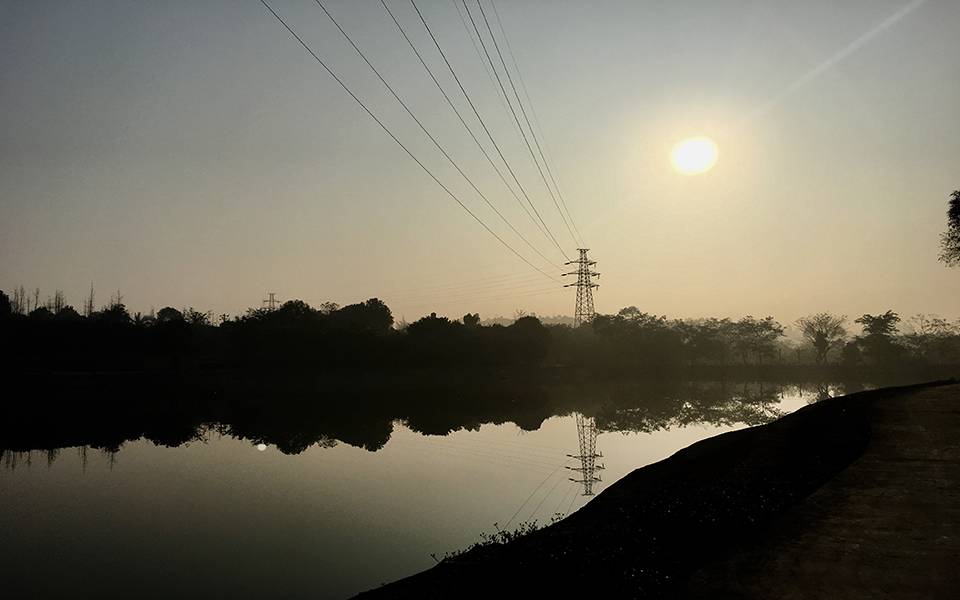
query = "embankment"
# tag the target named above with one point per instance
(850, 497)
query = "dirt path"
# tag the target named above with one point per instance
(888, 526)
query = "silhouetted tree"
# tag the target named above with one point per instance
(436, 340)
(529, 339)
(950, 239)
(933, 339)
(68, 314)
(372, 316)
(756, 337)
(18, 304)
(635, 338)
(5, 309)
(881, 325)
(115, 314)
(88, 305)
(851, 356)
(824, 331)
(168, 314)
(57, 302)
(328, 307)
(41, 313)
(706, 340)
(471, 320)
(877, 339)
(197, 318)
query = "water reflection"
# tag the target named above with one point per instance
(338, 487)
(587, 440)
(298, 417)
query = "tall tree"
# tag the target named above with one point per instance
(824, 331)
(950, 239)
(881, 325)
(877, 338)
(5, 307)
(88, 306)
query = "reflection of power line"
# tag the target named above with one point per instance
(572, 491)
(533, 514)
(587, 437)
(532, 494)
(573, 499)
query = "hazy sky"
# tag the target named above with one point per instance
(192, 154)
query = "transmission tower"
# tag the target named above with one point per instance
(271, 301)
(584, 312)
(587, 436)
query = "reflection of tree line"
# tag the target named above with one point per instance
(296, 416)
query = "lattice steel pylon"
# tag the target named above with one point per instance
(271, 301)
(587, 436)
(584, 312)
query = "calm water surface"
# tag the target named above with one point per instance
(229, 517)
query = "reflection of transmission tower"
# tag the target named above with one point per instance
(584, 312)
(272, 301)
(587, 436)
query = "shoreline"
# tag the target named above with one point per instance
(651, 533)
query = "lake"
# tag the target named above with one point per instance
(242, 503)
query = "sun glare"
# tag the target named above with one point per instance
(693, 156)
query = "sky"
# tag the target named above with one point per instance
(194, 154)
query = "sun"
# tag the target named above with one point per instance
(695, 155)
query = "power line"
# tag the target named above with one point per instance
(542, 224)
(523, 111)
(397, 140)
(515, 118)
(545, 153)
(422, 126)
(483, 63)
(469, 131)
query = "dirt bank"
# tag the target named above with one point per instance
(828, 498)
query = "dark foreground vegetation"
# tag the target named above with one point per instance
(55, 337)
(685, 526)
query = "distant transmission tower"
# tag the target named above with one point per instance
(584, 312)
(587, 436)
(272, 301)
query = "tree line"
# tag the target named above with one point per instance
(54, 336)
